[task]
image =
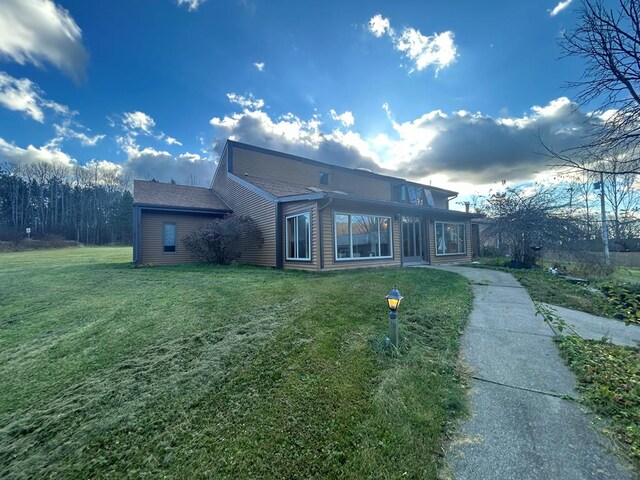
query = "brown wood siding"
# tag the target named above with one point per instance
(151, 236)
(435, 260)
(289, 209)
(330, 263)
(264, 165)
(244, 201)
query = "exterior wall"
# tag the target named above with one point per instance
(440, 259)
(151, 236)
(328, 234)
(292, 209)
(264, 165)
(244, 201)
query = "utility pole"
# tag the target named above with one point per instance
(605, 232)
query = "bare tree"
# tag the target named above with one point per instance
(529, 219)
(609, 43)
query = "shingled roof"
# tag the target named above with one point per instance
(156, 194)
(281, 188)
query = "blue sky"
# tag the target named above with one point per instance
(453, 93)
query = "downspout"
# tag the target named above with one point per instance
(320, 233)
(399, 217)
(279, 245)
(136, 235)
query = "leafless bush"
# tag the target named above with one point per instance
(223, 240)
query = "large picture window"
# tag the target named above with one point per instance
(299, 237)
(450, 239)
(169, 238)
(360, 237)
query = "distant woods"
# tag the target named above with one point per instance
(90, 204)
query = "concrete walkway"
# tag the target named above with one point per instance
(594, 327)
(524, 423)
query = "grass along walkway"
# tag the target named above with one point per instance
(609, 383)
(204, 371)
(616, 295)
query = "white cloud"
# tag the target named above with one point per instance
(192, 5)
(438, 50)
(290, 133)
(246, 102)
(560, 7)
(31, 155)
(138, 122)
(477, 148)
(171, 140)
(23, 95)
(259, 66)
(462, 147)
(66, 131)
(189, 168)
(378, 25)
(39, 31)
(347, 119)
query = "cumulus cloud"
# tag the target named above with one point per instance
(248, 101)
(378, 25)
(476, 148)
(9, 152)
(138, 122)
(38, 32)
(259, 66)
(290, 133)
(438, 50)
(192, 5)
(22, 95)
(189, 168)
(347, 119)
(460, 147)
(560, 7)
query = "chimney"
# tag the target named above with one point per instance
(466, 206)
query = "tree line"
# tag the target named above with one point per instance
(90, 204)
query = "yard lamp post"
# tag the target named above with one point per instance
(393, 302)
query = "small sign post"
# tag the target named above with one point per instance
(29, 232)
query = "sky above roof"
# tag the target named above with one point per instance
(450, 93)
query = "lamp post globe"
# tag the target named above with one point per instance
(393, 302)
(393, 299)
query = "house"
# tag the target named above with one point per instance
(312, 215)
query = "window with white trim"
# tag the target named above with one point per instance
(298, 237)
(169, 238)
(360, 237)
(450, 238)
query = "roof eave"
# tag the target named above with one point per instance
(183, 209)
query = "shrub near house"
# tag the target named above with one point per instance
(222, 240)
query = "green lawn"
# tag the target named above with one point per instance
(203, 371)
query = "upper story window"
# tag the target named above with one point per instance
(413, 194)
(169, 238)
(299, 237)
(324, 178)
